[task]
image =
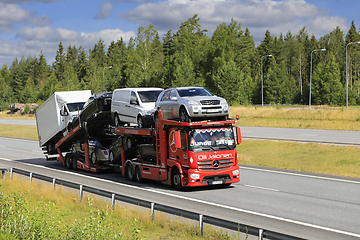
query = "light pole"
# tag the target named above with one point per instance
(322, 49)
(262, 80)
(347, 77)
(103, 76)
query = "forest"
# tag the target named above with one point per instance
(228, 63)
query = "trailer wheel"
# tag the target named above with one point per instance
(176, 179)
(74, 162)
(138, 177)
(129, 172)
(68, 161)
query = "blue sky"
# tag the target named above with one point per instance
(28, 27)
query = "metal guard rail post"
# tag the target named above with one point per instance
(201, 218)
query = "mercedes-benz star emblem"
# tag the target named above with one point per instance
(216, 163)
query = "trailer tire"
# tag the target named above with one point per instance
(74, 162)
(117, 121)
(176, 179)
(68, 161)
(138, 177)
(129, 172)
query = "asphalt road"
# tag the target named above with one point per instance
(321, 207)
(286, 134)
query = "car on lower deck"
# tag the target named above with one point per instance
(191, 103)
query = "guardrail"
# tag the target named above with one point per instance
(201, 218)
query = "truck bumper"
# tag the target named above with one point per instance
(196, 177)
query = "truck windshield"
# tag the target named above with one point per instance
(73, 107)
(220, 138)
(149, 96)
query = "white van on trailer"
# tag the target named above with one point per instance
(134, 105)
(54, 117)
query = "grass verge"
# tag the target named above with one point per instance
(5, 115)
(317, 118)
(308, 157)
(18, 131)
(37, 211)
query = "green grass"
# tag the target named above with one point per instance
(317, 118)
(308, 157)
(6, 115)
(37, 211)
(18, 131)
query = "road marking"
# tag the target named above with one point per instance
(300, 175)
(205, 202)
(263, 188)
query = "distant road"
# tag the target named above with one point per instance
(29, 122)
(285, 134)
(302, 135)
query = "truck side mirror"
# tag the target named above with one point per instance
(238, 135)
(177, 139)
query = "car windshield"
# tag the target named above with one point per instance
(75, 106)
(149, 96)
(191, 92)
(211, 137)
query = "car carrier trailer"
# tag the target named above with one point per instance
(179, 154)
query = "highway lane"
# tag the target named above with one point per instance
(304, 135)
(280, 196)
(286, 134)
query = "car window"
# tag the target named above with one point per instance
(173, 93)
(133, 98)
(190, 92)
(166, 96)
(75, 106)
(149, 96)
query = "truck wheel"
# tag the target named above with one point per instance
(183, 115)
(138, 177)
(68, 161)
(176, 179)
(129, 172)
(74, 162)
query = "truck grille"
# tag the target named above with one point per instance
(210, 102)
(208, 165)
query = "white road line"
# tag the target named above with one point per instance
(263, 188)
(300, 175)
(208, 203)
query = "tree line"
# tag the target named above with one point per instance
(228, 64)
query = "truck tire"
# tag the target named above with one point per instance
(74, 162)
(68, 161)
(176, 179)
(129, 172)
(138, 177)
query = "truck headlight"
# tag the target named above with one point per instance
(194, 175)
(236, 172)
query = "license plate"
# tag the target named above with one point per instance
(212, 110)
(216, 182)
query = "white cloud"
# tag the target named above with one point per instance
(259, 16)
(11, 14)
(105, 10)
(47, 39)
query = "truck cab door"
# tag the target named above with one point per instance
(64, 116)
